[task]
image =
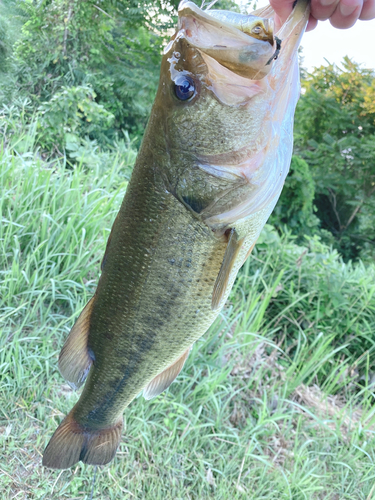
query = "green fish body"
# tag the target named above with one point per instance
(209, 172)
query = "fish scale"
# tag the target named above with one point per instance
(162, 298)
(208, 174)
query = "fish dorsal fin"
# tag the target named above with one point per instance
(75, 359)
(230, 256)
(165, 378)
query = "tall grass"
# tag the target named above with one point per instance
(319, 296)
(54, 226)
(275, 401)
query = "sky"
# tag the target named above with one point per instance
(326, 42)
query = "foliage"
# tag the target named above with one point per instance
(11, 21)
(276, 401)
(59, 125)
(69, 115)
(98, 79)
(295, 210)
(113, 46)
(326, 294)
(335, 134)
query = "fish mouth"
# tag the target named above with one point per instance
(254, 26)
(244, 44)
(251, 74)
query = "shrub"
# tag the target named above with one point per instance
(295, 208)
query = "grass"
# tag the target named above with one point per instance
(276, 401)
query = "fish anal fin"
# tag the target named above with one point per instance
(75, 358)
(72, 442)
(222, 280)
(165, 378)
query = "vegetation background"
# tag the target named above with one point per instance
(277, 400)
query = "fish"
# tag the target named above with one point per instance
(212, 164)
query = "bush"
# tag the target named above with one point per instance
(69, 116)
(295, 209)
(318, 297)
(106, 45)
(335, 134)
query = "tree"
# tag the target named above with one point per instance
(114, 46)
(335, 134)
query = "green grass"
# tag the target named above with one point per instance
(275, 402)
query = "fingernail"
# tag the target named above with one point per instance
(346, 10)
(327, 3)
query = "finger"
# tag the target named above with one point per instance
(282, 10)
(368, 10)
(323, 9)
(311, 25)
(346, 14)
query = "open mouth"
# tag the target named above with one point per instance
(244, 44)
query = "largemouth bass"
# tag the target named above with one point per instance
(211, 167)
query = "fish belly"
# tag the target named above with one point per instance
(153, 299)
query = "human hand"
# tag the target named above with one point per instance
(342, 14)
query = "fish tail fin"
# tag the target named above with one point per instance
(72, 442)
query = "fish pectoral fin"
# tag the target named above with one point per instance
(230, 256)
(165, 378)
(75, 359)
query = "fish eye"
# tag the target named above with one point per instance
(184, 87)
(257, 30)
